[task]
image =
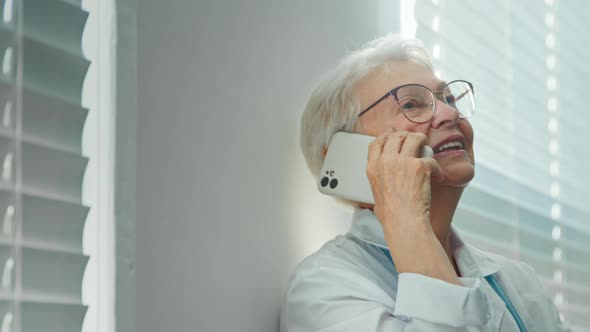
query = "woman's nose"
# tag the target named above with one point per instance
(444, 115)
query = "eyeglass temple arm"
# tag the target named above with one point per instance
(373, 104)
(456, 98)
(462, 95)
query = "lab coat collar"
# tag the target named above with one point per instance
(472, 262)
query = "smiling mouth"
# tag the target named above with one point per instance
(450, 146)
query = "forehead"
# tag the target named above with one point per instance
(377, 83)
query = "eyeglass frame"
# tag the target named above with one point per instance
(393, 93)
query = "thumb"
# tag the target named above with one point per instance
(437, 175)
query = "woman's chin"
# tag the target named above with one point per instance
(458, 175)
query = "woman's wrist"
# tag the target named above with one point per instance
(399, 226)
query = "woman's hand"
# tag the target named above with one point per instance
(400, 182)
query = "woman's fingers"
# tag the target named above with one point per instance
(376, 149)
(413, 144)
(373, 164)
(394, 143)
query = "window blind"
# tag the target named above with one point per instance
(41, 165)
(529, 198)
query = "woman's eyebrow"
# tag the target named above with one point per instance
(441, 85)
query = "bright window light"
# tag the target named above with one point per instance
(551, 61)
(550, 41)
(436, 23)
(553, 147)
(554, 190)
(555, 211)
(7, 61)
(558, 275)
(7, 12)
(557, 254)
(7, 168)
(7, 322)
(8, 223)
(554, 168)
(556, 233)
(549, 20)
(408, 23)
(436, 51)
(552, 125)
(7, 115)
(552, 104)
(551, 83)
(7, 274)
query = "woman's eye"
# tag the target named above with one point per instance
(450, 99)
(409, 104)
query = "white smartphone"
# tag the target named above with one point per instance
(344, 171)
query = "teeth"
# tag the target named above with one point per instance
(449, 145)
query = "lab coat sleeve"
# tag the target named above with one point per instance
(473, 304)
(334, 300)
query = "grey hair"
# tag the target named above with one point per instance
(334, 105)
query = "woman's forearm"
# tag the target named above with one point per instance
(417, 250)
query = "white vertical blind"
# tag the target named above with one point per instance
(529, 199)
(41, 165)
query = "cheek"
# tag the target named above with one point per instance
(405, 124)
(419, 128)
(376, 125)
(467, 130)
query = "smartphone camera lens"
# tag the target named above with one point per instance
(333, 183)
(324, 181)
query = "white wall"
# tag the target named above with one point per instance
(225, 204)
(126, 166)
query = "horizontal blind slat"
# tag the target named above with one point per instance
(53, 222)
(513, 206)
(56, 22)
(53, 71)
(51, 273)
(52, 317)
(46, 222)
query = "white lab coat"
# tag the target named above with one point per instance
(350, 285)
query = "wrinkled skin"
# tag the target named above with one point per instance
(415, 198)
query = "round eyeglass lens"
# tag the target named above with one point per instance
(416, 102)
(460, 96)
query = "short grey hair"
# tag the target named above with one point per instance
(334, 105)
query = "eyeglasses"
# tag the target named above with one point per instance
(418, 102)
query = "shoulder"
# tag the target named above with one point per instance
(344, 265)
(525, 281)
(345, 278)
(521, 279)
(345, 253)
(515, 270)
(510, 265)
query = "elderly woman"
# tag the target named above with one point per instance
(402, 266)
